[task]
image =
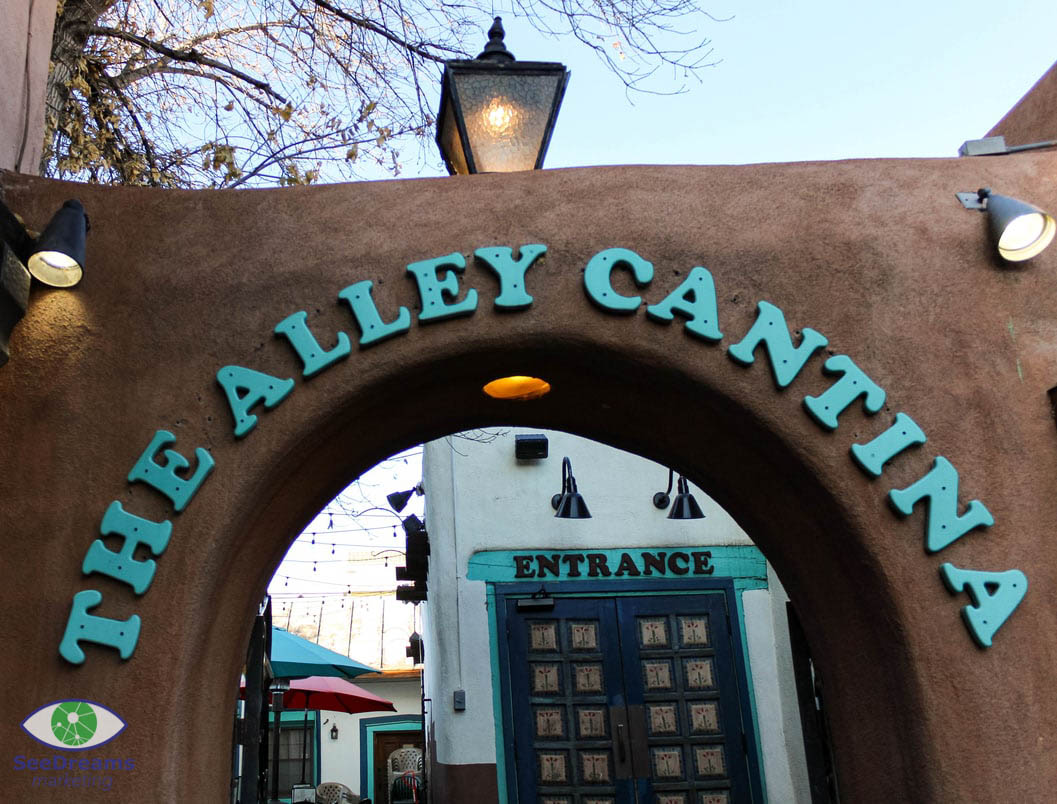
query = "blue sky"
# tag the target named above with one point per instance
(806, 81)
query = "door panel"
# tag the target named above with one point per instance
(683, 698)
(626, 700)
(566, 683)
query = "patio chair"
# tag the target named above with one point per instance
(406, 789)
(408, 758)
(335, 793)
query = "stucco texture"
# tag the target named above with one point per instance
(877, 255)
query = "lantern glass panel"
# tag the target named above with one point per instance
(451, 142)
(506, 116)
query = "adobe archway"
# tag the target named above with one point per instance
(876, 255)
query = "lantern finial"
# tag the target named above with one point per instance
(495, 49)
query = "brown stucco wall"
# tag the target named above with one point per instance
(877, 255)
(1034, 118)
(26, 27)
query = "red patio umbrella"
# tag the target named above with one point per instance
(330, 693)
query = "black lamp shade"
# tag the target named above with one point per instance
(58, 256)
(572, 506)
(497, 114)
(685, 506)
(398, 499)
(569, 504)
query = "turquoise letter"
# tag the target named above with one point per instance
(771, 330)
(432, 290)
(83, 627)
(307, 347)
(257, 387)
(902, 434)
(994, 595)
(944, 525)
(825, 409)
(695, 300)
(512, 293)
(372, 329)
(163, 477)
(136, 531)
(598, 284)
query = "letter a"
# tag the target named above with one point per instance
(695, 300)
(995, 596)
(256, 386)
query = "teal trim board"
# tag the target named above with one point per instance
(369, 726)
(744, 564)
(497, 691)
(750, 688)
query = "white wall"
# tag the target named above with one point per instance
(479, 497)
(340, 759)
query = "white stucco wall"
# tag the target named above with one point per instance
(479, 497)
(340, 759)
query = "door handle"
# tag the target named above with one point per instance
(618, 719)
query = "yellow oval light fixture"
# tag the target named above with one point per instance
(518, 388)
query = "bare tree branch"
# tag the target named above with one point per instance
(192, 56)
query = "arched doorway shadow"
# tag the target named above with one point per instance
(805, 527)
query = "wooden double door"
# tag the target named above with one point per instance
(628, 700)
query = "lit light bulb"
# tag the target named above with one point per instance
(1025, 236)
(498, 117)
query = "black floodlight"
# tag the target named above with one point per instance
(530, 446)
(398, 499)
(1020, 230)
(496, 113)
(412, 594)
(413, 524)
(569, 504)
(58, 254)
(415, 649)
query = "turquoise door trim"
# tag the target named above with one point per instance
(369, 726)
(742, 565)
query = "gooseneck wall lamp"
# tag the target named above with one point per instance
(569, 504)
(1020, 230)
(55, 258)
(496, 113)
(684, 506)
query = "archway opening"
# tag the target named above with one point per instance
(804, 528)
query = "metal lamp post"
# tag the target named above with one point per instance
(496, 113)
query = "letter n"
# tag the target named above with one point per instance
(943, 525)
(770, 329)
